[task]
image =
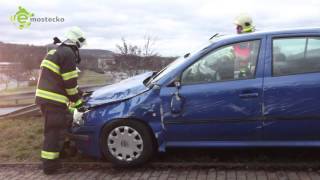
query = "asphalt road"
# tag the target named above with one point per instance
(158, 174)
(215, 164)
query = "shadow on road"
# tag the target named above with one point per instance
(240, 155)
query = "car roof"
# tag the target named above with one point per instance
(288, 31)
(268, 32)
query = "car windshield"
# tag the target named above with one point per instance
(168, 69)
(183, 59)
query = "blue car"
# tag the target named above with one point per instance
(259, 89)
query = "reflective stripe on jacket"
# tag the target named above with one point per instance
(58, 77)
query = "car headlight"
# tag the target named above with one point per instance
(78, 117)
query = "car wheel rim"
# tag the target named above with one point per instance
(125, 143)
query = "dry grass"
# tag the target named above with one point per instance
(21, 139)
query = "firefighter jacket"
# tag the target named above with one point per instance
(57, 82)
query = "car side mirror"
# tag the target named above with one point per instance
(177, 84)
(176, 99)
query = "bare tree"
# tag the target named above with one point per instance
(148, 47)
(128, 49)
(132, 59)
(134, 50)
(123, 49)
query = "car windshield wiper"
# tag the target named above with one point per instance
(147, 81)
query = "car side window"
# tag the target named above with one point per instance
(231, 62)
(296, 55)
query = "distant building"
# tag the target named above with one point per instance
(106, 63)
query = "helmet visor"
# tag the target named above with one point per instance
(82, 41)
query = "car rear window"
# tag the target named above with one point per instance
(296, 55)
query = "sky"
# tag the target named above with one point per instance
(177, 26)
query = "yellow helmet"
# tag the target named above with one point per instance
(76, 35)
(245, 21)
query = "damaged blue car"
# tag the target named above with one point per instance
(253, 90)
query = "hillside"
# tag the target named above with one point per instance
(30, 56)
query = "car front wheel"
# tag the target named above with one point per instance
(126, 143)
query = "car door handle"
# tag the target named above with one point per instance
(249, 95)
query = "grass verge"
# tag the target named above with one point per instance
(21, 139)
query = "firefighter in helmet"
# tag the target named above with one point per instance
(242, 51)
(57, 87)
(244, 23)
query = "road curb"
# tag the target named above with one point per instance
(194, 165)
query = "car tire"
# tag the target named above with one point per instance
(126, 143)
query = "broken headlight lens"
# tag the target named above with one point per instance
(78, 117)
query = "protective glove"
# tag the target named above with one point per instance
(71, 109)
(78, 104)
(73, 106)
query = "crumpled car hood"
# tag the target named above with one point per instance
(123, 90)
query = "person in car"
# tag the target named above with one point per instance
(242, 51)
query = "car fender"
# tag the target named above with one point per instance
(145, 107)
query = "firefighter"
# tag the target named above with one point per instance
(244, 23)
(242, 51)
(57, 87)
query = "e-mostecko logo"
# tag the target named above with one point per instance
(23, 18)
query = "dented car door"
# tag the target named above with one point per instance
(292, 88)
(213, 101)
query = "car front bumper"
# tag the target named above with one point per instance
(85, 136)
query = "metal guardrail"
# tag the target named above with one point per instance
(30, 110)
(30, 95)
(33, 109)
(17, 97)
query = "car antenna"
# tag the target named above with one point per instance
(215, 35)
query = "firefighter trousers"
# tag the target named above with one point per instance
(55, 128)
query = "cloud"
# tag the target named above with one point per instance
(179, 26)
